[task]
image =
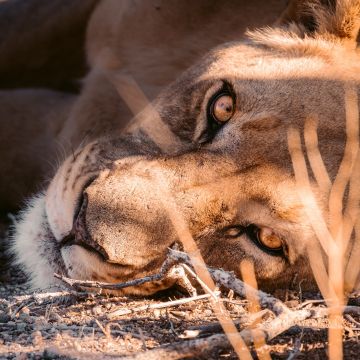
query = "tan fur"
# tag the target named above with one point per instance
(105, 216)
(343, 25)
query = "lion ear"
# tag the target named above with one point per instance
(338, 19)
(296, 14)
(345, 22)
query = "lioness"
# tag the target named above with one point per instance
(220, 150)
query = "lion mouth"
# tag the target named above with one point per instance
(79, 234)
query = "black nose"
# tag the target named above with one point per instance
(79, 234)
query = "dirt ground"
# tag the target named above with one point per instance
(73, 327)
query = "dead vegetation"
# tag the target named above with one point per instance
(78, 325)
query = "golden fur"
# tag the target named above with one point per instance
(103, 216)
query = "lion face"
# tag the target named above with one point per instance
(230, 175)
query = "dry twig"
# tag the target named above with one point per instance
(230, 281)
(285, 318)
(205, 347)
(242, 320)
(121, 312)
(165, 268)
(168, 270)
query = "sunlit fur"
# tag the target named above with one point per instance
(241, 175)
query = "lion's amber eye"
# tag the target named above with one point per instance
(223, 108)
(269, 239)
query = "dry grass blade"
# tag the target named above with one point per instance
(313, 213)
(352, 269)
(324, 280)
(199, 265)
(248, 274)
(347, 164)
(351, 211)
(313, 153)
(146, 118)
(336, 199)
(335, 236)
(314, 253)
(304, 190)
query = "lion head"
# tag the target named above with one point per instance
(215, 146)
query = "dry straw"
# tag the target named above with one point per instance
(336, 271)
(198, 262)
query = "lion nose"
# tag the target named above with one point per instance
(80, 235)
(121, 218)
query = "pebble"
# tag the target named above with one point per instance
(24, 317)
(7, 337)
(54, 317)
(45, 327)
(157, 313)
(96, 310)
(40, 321)
(20, 327)
(292, 303)
(77, 346)
(62, 326)
(22, 337)
(4, 318)
(22, 356)
(25, 310)
(37, 338)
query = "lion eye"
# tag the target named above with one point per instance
(267, 238)
(222, 108)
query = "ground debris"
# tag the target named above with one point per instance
(37, 326)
